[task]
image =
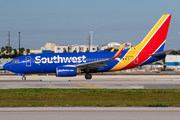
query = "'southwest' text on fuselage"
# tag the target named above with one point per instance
(58, 59)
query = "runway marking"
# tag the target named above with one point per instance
(87, 85)
(54, 80)
(34, 74)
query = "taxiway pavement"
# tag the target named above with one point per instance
(98, 81)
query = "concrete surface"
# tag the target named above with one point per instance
(98, 81)
(89, 113)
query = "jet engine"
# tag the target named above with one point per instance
(66, 71)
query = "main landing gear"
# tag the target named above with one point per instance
(88, 76)
(23, 78)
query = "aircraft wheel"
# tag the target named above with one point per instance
(23, 78)
(88, 76)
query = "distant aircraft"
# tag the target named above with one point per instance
(69, 64)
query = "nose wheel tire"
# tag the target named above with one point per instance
(23, 78)
(88, 76)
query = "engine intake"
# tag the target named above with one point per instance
(66, 71)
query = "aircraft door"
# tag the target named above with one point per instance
(136, 60)
(28, 61)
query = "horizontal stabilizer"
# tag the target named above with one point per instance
(162, 53)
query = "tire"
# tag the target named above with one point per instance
(88, 76)
(23, 78)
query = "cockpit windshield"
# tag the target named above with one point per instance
(15, 61)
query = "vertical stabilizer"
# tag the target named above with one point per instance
(154, 42)
(155, 39)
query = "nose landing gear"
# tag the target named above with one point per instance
(23, 78)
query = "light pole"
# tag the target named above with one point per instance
(89, 44)
(91, 38)
(19, 42)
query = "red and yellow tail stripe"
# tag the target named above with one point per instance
(140, 53)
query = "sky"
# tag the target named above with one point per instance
(68, 22)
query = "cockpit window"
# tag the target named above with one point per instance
(15, 61)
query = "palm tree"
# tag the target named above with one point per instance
(15, 51)
(3, 49)
(7, 49)
(21, 51)
(27, 51)
(64, 51)
(75, 51)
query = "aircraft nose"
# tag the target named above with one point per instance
(6, 66)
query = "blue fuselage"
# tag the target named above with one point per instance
(47, 63)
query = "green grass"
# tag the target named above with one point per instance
(89, 97)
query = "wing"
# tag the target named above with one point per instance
(98, 64)
(93, 65)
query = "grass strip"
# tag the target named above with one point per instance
(89, 97)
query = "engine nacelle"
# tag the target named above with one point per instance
(66, 71)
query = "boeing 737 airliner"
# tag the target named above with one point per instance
(69, 64)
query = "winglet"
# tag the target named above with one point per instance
(112, 50)
(119, 52)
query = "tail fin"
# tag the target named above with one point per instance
(153, 43)
(155, 39)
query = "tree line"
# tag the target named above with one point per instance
(7, 52)
(175, 52)
(15, 53)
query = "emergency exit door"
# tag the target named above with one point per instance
(28, 61)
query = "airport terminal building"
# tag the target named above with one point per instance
(79, 48)
(173, 61)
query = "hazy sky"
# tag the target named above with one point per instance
(68, 22)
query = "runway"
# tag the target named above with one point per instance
(90, 113)
(98, 81)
